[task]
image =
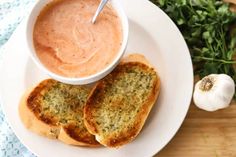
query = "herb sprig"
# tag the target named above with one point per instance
(208, 28)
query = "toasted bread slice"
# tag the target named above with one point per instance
(55, 110)
(119, 104)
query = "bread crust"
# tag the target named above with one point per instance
(136, 57)
(29, 113)
(126, 135)
(32, 123)
(66, 138)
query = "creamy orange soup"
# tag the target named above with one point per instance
(67, 42)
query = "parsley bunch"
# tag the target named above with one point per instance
(208, 28)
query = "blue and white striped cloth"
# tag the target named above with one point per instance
(11, 14)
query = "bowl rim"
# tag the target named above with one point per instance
(76, 80)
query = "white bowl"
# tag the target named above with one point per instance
(79, 80)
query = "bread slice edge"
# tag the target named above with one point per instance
(32, 123)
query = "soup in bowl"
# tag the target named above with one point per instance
(66, 45)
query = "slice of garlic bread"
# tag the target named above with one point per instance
(119, 104)
(55, 110)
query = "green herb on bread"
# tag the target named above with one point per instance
(55, 110)
(116, 110)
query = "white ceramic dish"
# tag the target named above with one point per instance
(83, 80)
(153, 34)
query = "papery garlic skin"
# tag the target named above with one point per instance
(214, 92)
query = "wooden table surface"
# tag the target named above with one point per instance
(205, 134)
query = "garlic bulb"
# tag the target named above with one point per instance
(214, 92)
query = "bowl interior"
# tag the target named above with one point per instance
(80, 80)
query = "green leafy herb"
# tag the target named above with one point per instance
(208, 28)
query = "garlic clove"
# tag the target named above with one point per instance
(214, 92)
(203, 100)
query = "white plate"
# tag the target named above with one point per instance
(153, 34)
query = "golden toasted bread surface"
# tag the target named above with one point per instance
(119, 104)
(61, 105)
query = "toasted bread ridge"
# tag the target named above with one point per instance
(119, 104)
(55, 110)
(32, 123)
